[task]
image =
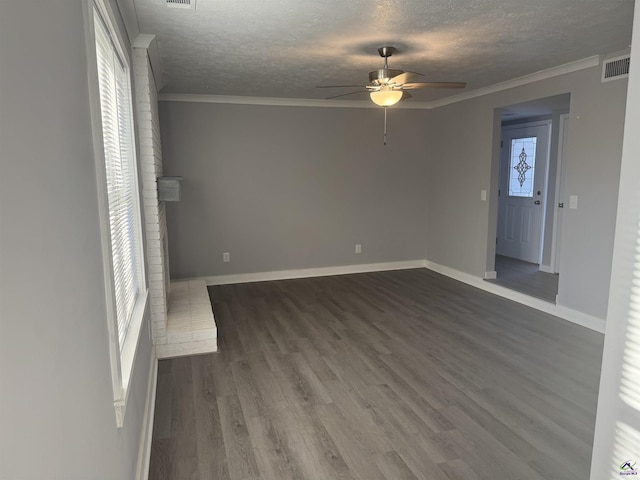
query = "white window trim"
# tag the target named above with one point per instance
(122, 360)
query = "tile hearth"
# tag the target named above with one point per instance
(191, 327)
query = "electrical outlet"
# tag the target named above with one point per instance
(573, 201)
(358, 248)
(226, 257)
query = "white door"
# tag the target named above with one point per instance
(523, 178)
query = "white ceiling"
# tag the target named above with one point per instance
(285, 48)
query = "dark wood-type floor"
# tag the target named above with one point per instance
(384, 376)
(526, 278)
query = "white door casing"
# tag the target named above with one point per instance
(559, 206)
(523, 173)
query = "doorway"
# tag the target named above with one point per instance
(522, 196)
(529, 176)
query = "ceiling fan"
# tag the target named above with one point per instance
(388, 86)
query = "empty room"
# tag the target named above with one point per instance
(351, 240)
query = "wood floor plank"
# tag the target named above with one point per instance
(458, 470)
(272, 446)
(549, 467)
(160, 463)
(238, 448)
(427, 417)
(184, 448)
(494, 423)
(251, 399)
(298, 381)
(399, 375)
(162, 417)
(318, 455)
(393, 467)
(476, 442)
(358, 458)
(315, 360)
(542, 433)
(221, 374)
(358, 419)
(228, 338)
(265, 380)
(212, 459)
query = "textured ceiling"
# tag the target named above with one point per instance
(284, 48)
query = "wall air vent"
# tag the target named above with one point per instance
(615, 68)
(190, 4)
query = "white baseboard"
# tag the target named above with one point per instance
(492, 275)
(574, 316)
(144, 450)
(312, 272)
(546, 268)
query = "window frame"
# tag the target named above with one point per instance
(122, 357)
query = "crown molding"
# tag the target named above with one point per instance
(280, 102)
(309, 102)
(570, 67)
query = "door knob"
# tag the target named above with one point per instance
(537, 202)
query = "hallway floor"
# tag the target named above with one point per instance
(526, 278)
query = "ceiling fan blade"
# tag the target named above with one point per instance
(413, 85)
(339, 86)
(406, 77)
(345, 94)
(406, 95)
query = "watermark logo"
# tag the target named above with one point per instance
(628, 468)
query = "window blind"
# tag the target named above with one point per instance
(115, 106)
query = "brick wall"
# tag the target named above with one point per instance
(150, 158)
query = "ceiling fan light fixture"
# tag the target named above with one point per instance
(386, 98)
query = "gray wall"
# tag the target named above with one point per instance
(461, 139)
(57, 418)
(284, 188)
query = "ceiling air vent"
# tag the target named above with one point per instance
(191, 4)
(615, 68)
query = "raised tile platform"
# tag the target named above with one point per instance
(191, 327)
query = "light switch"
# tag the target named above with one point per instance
(483, 195)
(573, 201)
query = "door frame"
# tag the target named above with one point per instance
(556, 236)
(535, 123)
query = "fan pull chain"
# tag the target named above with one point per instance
(385, 125)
